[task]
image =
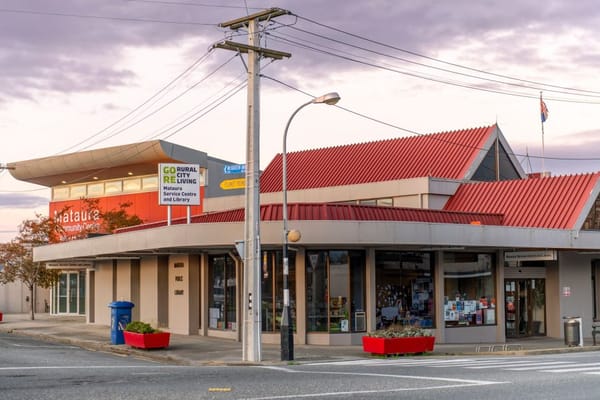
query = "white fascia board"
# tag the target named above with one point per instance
(322, 233)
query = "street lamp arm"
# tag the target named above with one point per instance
(284, 167)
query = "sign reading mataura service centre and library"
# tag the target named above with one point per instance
(179, 184)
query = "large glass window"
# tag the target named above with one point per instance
(78, 191)
(404, 285)
(335, 291)
(222, 293)
(132, 185)
(469, 289)
(272, 289)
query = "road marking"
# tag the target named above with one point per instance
(544, 365)
(449, 383)
(86, 367)
(506, 365)
(578, 368)
(29, 346)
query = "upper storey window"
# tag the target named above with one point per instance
(105, 188)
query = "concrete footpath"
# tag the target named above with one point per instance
(200, 350)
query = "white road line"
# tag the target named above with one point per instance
(395, 362)
(578, 368)
(43, 347)
(543, 365)
(450, 383)
(472, 363)
(507, 365)
(86, 367)
(292, 371)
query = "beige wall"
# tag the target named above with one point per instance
(184, 294)
(148, 304)
(103, 282)
(416, 193)
(575, 273)
(14, 298)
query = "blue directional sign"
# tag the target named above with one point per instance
(234, 169)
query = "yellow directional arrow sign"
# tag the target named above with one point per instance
(230, 184)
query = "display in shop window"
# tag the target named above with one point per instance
(464, 312)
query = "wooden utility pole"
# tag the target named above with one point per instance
(251, 313)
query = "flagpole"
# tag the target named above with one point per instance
(542, 122)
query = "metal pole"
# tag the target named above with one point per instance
(252, 318)
(287, 331)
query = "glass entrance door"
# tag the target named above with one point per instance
(525, 307)
(69, 293)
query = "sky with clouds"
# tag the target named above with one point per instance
(83, 74)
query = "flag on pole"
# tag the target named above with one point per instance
(544, 109)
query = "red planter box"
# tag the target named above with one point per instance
(156, 340)
(402, 345)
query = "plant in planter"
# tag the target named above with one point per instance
(144, 336)
(394, 340)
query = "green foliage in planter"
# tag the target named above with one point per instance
(140, 327)
(396, 332)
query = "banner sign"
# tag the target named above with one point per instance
(534, 255)
(179, 184)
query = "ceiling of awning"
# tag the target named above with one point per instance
(107, 163)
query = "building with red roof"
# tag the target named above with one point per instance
(444, 231)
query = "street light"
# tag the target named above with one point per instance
(287, 333)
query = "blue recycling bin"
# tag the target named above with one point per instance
(120, 316)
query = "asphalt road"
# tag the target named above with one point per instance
(31, 369)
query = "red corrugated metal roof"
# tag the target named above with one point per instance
(442, 155)
(553, 202)
(338, 212)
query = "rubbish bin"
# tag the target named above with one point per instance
(120, 316)
(572, 330)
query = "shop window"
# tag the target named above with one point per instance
(272, 289)
(132, 185)
(95, 189)
(60, 193)
(78, 191)
(469, 289)
(150, 183)
(370, 202)
(113, 187)
(389, 202)
(222, 293)
(404, 289)
(337, 306)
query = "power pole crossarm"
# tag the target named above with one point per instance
(244, 48)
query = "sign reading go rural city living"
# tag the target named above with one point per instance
(179, 184)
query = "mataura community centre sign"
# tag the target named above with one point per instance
(179, 184)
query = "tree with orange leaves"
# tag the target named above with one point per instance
(16, 257)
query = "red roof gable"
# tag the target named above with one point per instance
(554, 203)
(442, 155)
(337, 212)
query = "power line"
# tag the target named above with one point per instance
(429, 78)
(407, 73)
(439, 60)
(195, 110)
(153, 112)
(521, 85)
(122, 19)
(181, 3)
(388, 124)
(194, 65)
